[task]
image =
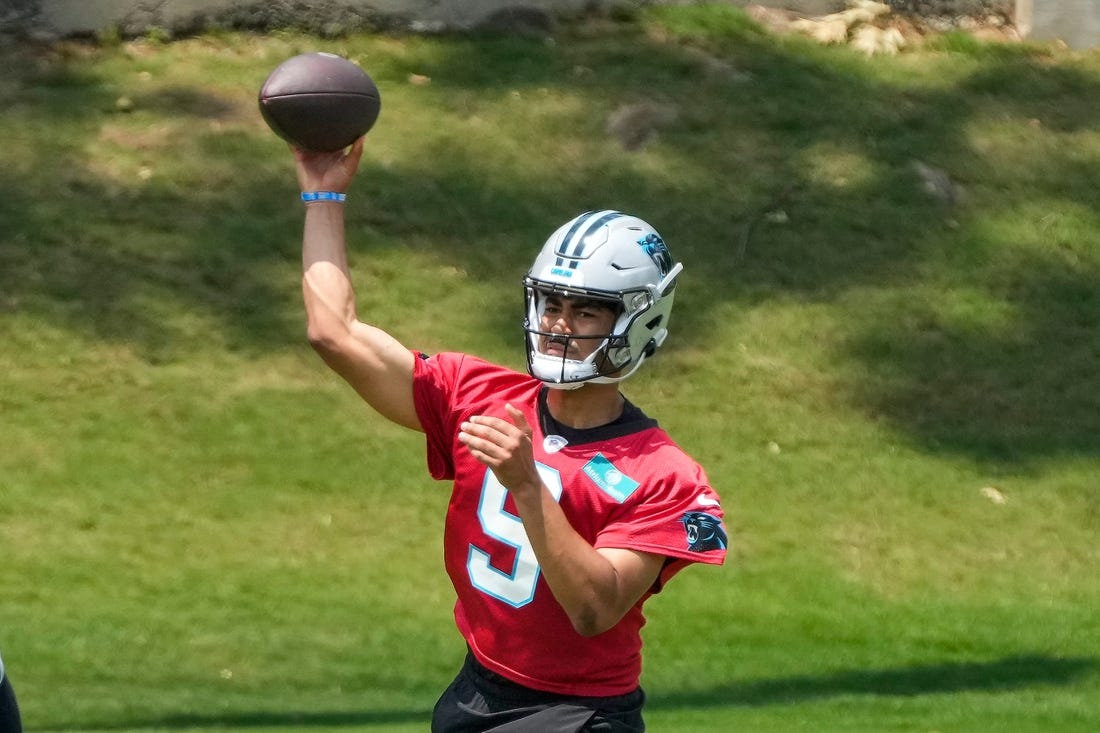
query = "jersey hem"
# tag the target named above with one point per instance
(543, 686)
(705, 558)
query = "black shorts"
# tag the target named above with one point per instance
(481, 701)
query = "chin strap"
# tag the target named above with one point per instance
(565, 386)
(594, 380)
(616, 380)
(650, 349)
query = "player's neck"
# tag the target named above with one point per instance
(589, 406)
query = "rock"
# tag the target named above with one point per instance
(823, 30)
(993, 494)
(872, 41)
(635, 125)
(520, 21)
(937, 183)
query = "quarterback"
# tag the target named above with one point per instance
(569, 505)
(10, 722)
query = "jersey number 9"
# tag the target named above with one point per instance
(516, 588)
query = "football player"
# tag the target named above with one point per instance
(569, 505)
(10, 722)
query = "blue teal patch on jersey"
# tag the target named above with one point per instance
(611, 480)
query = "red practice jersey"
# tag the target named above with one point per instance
(626, 485)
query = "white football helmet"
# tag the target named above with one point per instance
(606, 256)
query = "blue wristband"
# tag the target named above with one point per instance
(308, 196)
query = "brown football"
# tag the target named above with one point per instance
(319, 101)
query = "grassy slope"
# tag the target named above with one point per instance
(201, 529)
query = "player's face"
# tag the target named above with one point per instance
(569, 320)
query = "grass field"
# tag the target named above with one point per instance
(897, 394)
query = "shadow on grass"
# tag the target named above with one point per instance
(1001, 675)
(263, 720)
(98, 255)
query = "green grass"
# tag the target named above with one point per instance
(202, 529)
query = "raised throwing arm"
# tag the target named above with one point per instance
(374, 363)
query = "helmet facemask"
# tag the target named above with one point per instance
(639, 330)
(560, 370)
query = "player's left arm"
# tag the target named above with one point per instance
(596, 587)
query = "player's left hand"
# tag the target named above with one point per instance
(505, 447)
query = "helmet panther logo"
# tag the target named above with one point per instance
(704, 532)
(655, 247)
